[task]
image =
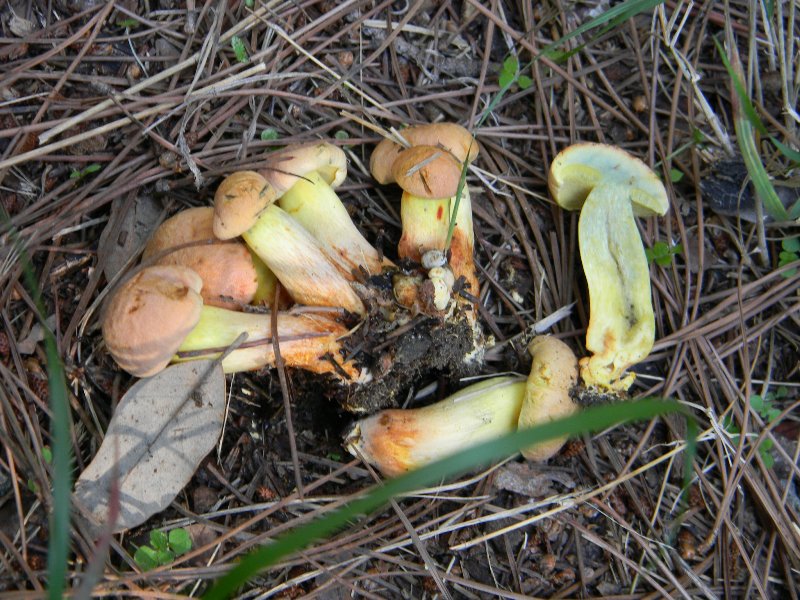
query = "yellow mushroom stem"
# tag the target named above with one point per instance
(397, 441)
(307, 341)
(298, 261)
(425, 225)
(621, 328)
(313, 203)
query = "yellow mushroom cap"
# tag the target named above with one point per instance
(447, 136)
(149, 316)
(240, 199)
(580, 168)
(226, 268)
(427, 172)
(283, 168)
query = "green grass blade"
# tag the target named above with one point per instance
(58, 543)
(746, 122)
(608, 20)
(593, 419)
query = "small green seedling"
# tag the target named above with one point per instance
(239, 50)
(163, 548)
(510, 75)
(76, 174)
(790, 252)
(661, 253)
(269, 134)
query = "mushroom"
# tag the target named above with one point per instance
(397, 441)
(429, 177)
(157, 316)
(609, 187)
(231, 275)
(244, 204)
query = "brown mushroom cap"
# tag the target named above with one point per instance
(427, 172)
(227, 269)
(149, 316)
(580, 168)
(283, 168)
(240, 199)
(448, 136)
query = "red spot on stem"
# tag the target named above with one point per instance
(439, 213)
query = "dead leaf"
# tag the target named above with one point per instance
(162, 428)
(125, 234)
(531, 480)
(21, 27)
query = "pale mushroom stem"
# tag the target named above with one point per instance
(299, 263)
(397, 441)
(425, 223)
(308, 341)
(621, 328)
(314, 204)
(425, 226)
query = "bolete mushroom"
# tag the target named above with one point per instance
(610, 186)
(396, 441)
(244, 204)
(304, 177)
(232, 276)
(157, 316)
(429, 178)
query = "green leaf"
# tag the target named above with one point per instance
(270, 133)
(592, 419)
(675, 175)
(524, 82)
(766, 456)
(511, 65)
(165, 557)
(506, 79)
(238, 49)
(128, 23)
(341, 134)
(179, 541)
(782, 392)
(664, 261)
(791, 244)
(93, 168)
(146, 558)
(75, 174)
(772, 414)
(677, 249)
(757, 402)
(47, 454)
(159, 540)
(249, 3)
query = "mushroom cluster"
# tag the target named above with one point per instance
(195, 296)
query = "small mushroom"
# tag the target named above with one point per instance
(231, 275)
(609, 187)
(157, 317)
(287, 248)
(397, 441)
